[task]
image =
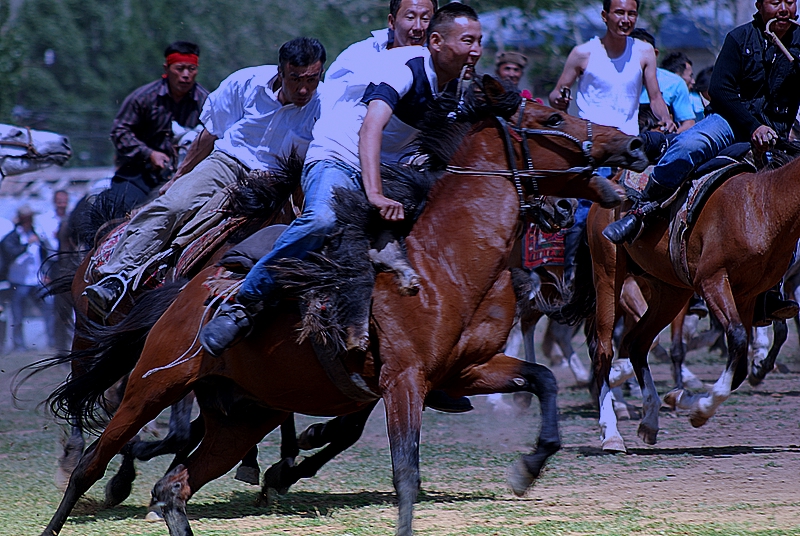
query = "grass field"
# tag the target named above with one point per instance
(738, 475)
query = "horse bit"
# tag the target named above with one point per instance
(528, 176)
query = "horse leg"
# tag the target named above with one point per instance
(290, 450)
(563, 333)
(528, 326)
(227, 440)
(177, 437)
(125, 424)
(761, 367)
(69, 458)
(340, 434)
(719, 297)
(666, 301)
(508, 375)
(677, 351)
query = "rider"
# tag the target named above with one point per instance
(374, 122)
(610, 71)
(256, 116)
(755, 99)
(142, 130)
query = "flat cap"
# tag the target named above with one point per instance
(509, 56)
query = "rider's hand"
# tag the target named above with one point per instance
(764, 137)
(560, 99)
(669, 127)
(159, 160)
(390, 209)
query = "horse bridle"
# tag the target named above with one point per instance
(30, 149)
(528, 176)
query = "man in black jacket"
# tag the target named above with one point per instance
(755, 99)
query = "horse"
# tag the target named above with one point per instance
(24, 149)
(459, 246)
(763, 232)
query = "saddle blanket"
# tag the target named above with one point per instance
(542, 249)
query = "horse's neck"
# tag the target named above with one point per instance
(781, 200)
(16, 166)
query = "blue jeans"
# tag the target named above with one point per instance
(689, 149)
(308, 232)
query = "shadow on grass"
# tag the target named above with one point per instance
(243, 504)
(706, 452)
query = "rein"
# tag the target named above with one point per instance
(30, 150)
(528, 176)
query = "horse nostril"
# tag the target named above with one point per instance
(635, 144)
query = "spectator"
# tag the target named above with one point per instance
(60, 319)
(701, 84)
(23, 251)
(510, 67)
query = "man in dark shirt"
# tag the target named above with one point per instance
(755, 99)
(142, 131)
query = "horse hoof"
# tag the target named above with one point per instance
(265, 498)
(673, 398)
(311, 437)
(753, 379)
(248, 475)
(274, 477)
(153, 517)
(519, 478)
(614, 444)
(696, 419)
(647, 434)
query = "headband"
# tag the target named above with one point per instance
(177, 57)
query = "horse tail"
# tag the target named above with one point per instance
(577, 303)
(112, 353)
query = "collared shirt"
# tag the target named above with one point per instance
(144, 122)
(676, 95)
(339, 73)
(404, 78)
(252, 125)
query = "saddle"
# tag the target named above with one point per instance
(688, 201)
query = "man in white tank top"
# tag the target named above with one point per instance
(610, 72)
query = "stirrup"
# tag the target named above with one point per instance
(123, 280)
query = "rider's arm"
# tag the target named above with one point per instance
(125, 141)
(200, 148)
(369, 153)
(576, 63)
(657, 103)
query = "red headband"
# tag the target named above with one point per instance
(177, 57)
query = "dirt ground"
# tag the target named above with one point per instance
(738, 474)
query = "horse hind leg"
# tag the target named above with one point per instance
(71, 451)
(764, 364)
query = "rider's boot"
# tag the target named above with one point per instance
(234, 319)
(771, 306)
(627, 227)
(104, 295)
(441, 401)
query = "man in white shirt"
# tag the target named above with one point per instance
(255, 117)
(373, 122)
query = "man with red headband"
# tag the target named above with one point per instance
(142, 131)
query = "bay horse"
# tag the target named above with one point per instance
(740, 246)
(448, 336)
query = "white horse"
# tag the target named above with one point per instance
(24, 149)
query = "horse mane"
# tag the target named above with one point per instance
(263, 192)
(784, 152)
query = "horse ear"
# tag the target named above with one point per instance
(492, 88)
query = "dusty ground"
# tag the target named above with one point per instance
(739, 474)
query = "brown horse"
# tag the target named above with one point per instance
(447, 336)
(739, 247)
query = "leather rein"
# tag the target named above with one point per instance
(528, 177)
(30, 150)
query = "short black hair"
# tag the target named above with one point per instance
(394, 6)
(448, 13)
(675, 62)
(643, 35)
(301, 52)
(607, 5)
(182, 47)
(703, 79)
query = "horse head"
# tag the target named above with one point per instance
(25, 149)
(560, 153)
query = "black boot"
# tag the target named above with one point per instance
(627, 227)
(441, 401)
(234, 319)
(697, 307)
(104, 295)
(770, 306)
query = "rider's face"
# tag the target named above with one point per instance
(459, 44)
(180, 78)
(411, 22)
(783, 10)
(621, 17)
(510, 72)
(298, 84)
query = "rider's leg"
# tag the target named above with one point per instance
(688, 150)
(305, 234)
(150, 230)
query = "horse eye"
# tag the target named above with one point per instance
(554, 120)
(16, 133)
